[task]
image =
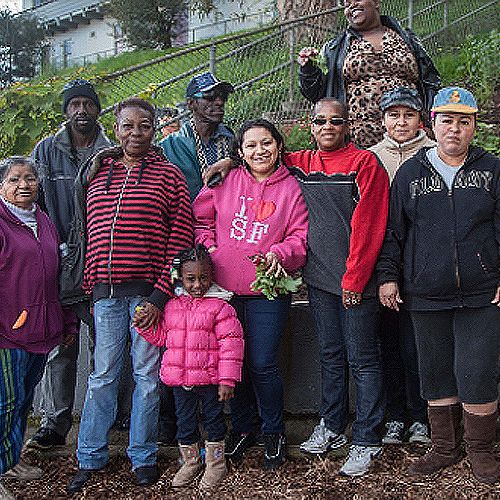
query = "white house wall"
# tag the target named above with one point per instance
(86, 43)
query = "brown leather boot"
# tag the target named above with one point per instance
(479, 435)
(215, 462)
(191, 466)
(446, 437)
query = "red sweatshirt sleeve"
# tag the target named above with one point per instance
(368, 224)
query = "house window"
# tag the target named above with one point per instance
(92, 34)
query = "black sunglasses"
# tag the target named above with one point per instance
(211, 95)
(76, 83)
(333, 121)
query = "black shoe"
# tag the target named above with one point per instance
(236, 444)
(146, 475)
(275, 451)
(78, 482)
(44, 439)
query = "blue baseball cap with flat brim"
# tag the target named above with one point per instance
(206, 82)
(454, 100)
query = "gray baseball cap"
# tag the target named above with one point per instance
(401, 96)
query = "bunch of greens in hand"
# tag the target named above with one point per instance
(269, 284)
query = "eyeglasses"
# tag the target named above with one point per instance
(211, 95)
(333, 121)
(76, 83)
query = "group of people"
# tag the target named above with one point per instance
(398, 246)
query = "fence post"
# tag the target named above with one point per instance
(292, 59)
(410, 14)
(211, 61)
(445, 14)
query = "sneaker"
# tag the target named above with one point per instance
(323, 439)
(419, 433)
(23, 472)
(275, 451)
(236, 444)
(359, 460)
(394, 434)
(44, 439)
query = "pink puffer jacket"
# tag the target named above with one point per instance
(204, 341)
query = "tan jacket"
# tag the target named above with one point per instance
(392, 154)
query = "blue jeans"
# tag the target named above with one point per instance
(263, 322)
(349, 337)
(187, 409)
(19, 374)
(112, 327)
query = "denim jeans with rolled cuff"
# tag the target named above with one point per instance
(113, 328)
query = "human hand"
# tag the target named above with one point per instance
(350, 299)
(306, 54)
(68, 339)
(388, 294)
(222, 166)
(272, 263)
(226, 392)
(496, 299)
(146, 316)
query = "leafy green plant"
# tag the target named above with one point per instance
(297, 134)
(270, 285)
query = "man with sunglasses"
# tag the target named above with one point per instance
(60, 157)
(204, 139)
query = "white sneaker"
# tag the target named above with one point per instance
(5, 494)
(394, 434)
(419, 433)
(323, 439)
(359, 460)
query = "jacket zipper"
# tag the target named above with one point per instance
(122, 190)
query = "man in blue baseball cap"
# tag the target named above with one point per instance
(443, 244)
(203, 140)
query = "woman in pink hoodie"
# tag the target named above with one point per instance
(258, 210)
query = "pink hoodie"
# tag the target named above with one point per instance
(204, 342)
(243, 217)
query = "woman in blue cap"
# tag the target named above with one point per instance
(443, 240)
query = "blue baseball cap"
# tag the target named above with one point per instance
(206, 82)
(454, 100)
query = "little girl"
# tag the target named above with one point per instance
(203, 359)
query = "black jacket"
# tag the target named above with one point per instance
(445, 243)
(315, 85)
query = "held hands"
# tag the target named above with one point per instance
(389, 295)
(145, 316)
(306, 54)
(222, 166)
(225, 392)
(350, 299)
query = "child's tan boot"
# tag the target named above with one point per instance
(216, 468)
(191, 465)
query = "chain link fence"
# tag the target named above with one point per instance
(261, 63)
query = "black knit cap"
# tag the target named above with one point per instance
(79, 88)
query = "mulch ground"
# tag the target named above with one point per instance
(315, 479)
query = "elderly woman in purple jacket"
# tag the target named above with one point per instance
(32, 319)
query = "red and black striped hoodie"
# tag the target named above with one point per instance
(138, 219)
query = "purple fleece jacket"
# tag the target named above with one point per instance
(29, 268)
(243, 217)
